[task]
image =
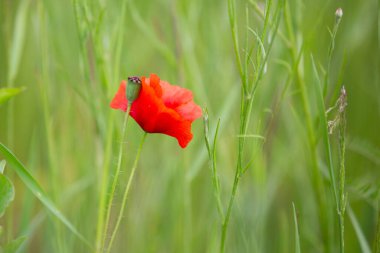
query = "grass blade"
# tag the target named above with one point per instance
(36, 189)
(296, 231)
(212, 161)
(17, 41)
(14, 245)
(8, 93)
(2, 166)
(7, 193)
(359, 232)
(377, 237)
(226, 112)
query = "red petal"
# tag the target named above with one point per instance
(189, 111)
(175, 96)
(146, 108)
(171, 124)
(181, 100)
(154, 82)
(153, 116)
(120, 100)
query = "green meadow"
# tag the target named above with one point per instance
(286, 157)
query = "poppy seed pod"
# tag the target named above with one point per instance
(133, 88)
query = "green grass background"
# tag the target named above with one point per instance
(71, 56)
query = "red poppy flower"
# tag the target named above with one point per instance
(161, 108)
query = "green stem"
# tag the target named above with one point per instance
(228, 214)
(115, 179)
(212, 165)
(215, 174)
(316, 177)
(233, 26)
(246, 107)
(330, 53)
(342, 176)
(125, 196)
(103, 190)
(377, 237)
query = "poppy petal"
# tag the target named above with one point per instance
(189, 111)
(120, 100)
(181, 100)
(146, 108)
(171, 124)
(173, 96)
(154, 82)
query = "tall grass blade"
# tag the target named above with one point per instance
(226, 112)
(296, 231)
(8, 93)
(17, 41)
(2, 166)
(37, 190)
(7, 193)
(377, 237)
(325, 135)
(359, 232)
(212, 161)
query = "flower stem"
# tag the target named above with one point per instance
(342, 175)
(105, 172)
(125, 196)
(115, 179)
(228, 214)
(245, 113)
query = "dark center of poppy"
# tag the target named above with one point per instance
(134, 79)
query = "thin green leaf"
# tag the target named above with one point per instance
(8, 93)
(296, 231)
(212, 163)
(2, 166)
(36, 189)
(14, 245)
(256, 136)
(7, 193)
(17, 41)
(377, 237)
(359, 233)
(259, 41)
(226, 111)
(324, 126)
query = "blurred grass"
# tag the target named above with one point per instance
(71, 58)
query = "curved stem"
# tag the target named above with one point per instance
(125, 196)
(115, 179)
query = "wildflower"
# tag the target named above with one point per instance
(161, 108)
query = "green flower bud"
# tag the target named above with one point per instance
(133, 88)
(339, 13)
